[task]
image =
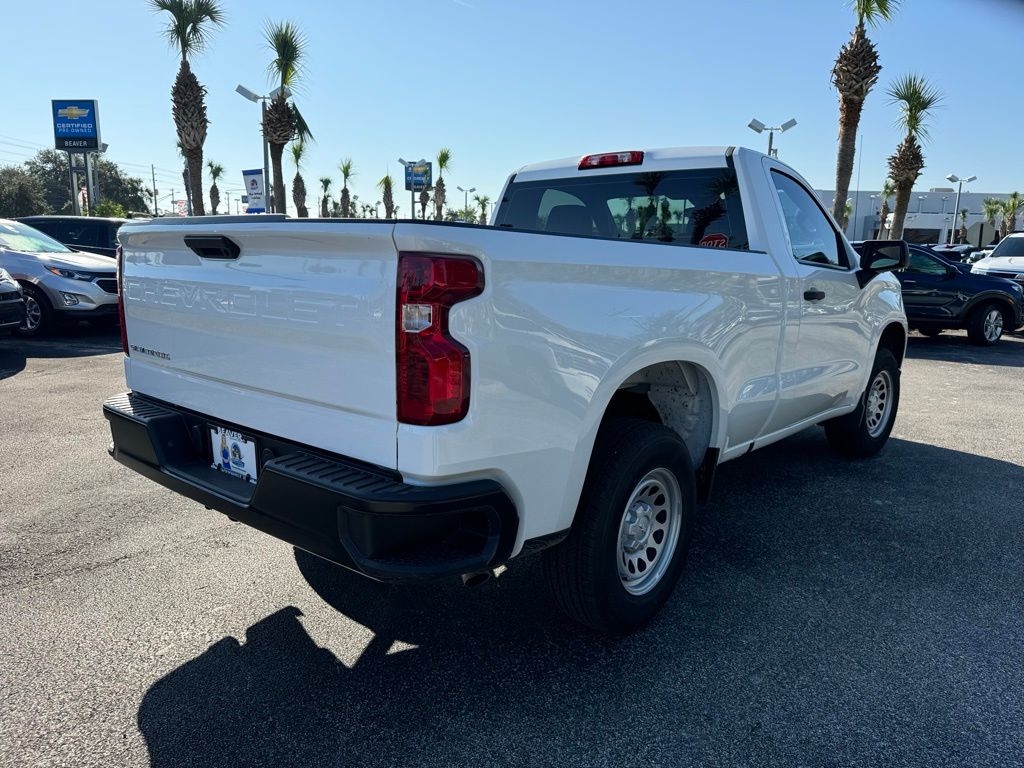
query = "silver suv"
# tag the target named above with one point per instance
(59, 284)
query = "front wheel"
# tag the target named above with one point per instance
(38, 314)
(628, 543)
(863, 432)
(985, 325)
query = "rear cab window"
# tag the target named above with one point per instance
(693, 207)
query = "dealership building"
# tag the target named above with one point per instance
(930, 214)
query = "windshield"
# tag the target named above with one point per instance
(1011, 246)
(21, 237)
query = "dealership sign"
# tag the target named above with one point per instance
(418, 176)
(76, 125)
(253, 181)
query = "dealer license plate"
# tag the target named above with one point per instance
(233, 453)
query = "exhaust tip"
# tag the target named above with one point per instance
(475, 579)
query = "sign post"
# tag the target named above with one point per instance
(418, 177)
(255, 190)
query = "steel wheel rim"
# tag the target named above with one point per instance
(33, 313)
(879, 403)
(649, 531)
(993, 325)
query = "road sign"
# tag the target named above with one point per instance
(76, 125)
(419, 176)
(253, 181)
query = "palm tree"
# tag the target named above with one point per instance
(962, 237)
(888, 190)
(216, 172)
(283, 122)
(298, 183)
(482, 201)
(325, 209)
(444, 162)
(188, 30)
(387, 185)
(854, 75)
(916, 99)
(992, 207)
(424, 199)
(1011, 207)
(347, 169)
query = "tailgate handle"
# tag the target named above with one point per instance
(213, 246)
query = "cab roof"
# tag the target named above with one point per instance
(658, 159)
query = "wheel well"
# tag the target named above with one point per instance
(1009, 315)
(676, 394)
(894, 338)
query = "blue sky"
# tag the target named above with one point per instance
(508, 83)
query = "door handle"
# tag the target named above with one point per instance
(213, 246)
(814, 294)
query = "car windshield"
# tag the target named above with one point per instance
(1011, 246)
(21, 237)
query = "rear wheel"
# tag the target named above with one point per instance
(863, 432)
(38, 313)
(628, 543)
(985, 325)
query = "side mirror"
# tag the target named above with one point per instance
(881, 256)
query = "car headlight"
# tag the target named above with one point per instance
(70, 274)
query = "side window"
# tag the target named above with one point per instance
(813, 238)
(921, 264)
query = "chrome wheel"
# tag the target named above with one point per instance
(993, 326)
(879, 403)
(33, 314)
(649, 531)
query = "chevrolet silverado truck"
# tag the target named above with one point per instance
(415, 399)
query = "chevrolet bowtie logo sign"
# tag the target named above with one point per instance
(73, 112)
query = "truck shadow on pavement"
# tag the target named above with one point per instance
(65, 342)
(954, 347)
(832, 613)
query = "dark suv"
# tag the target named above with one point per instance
(81, 233)
(938, 296)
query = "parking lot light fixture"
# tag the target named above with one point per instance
(465, 205)
(254, 98)
(758, 127)
(954, 179)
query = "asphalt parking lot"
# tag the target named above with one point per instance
(833, 613)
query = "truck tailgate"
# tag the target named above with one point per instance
(294, 337)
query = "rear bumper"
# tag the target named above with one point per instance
(359, 516)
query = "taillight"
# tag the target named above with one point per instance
(120, 298)
(611, 159)
(433, 368)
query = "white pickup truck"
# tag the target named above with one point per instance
(417, 399)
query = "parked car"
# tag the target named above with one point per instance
(423, 399)
(81, 233)
(12, 304)
(938, 296)
(1006, 260)
(59, 284)
(955, 253)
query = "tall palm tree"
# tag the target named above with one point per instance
(916, 99)
(387, 185)
(424, 200)
(216, 172)
(325, 185)
(298, 148)
(283, 121)
(347, 169)
(854, 75)
(1011, 207)
(962, 236)
(992, 207)
(888, 190)
(482, 201)
(189, 30)
(444, 162)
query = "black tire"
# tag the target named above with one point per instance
(35, 299)
(583, 570)
(979, 330)
(931, 332)
(858, 434)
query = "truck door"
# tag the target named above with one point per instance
(822, 368)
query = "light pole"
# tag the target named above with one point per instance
(254, 97)
(758, 127)
(409, 168)
(956, 206)
(465, 205)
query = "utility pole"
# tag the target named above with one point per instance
(71, 181)
(156, 209)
